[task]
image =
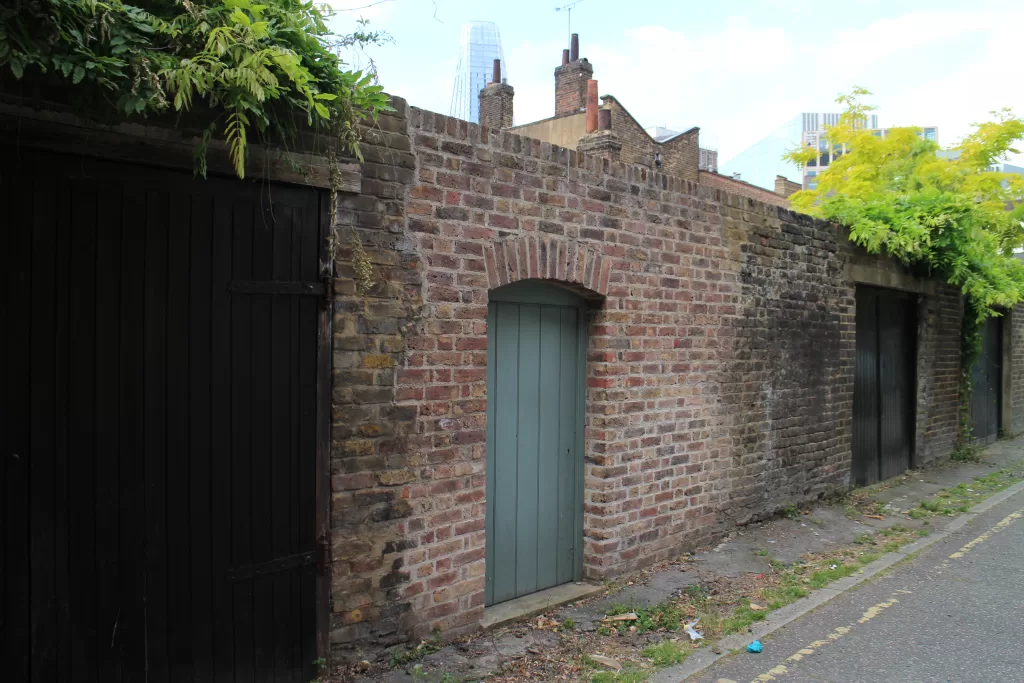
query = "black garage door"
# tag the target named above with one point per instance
(884, 386)
(987, 383)
(159, 426)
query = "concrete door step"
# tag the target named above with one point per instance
(537, 603)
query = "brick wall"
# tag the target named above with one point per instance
(731, 185)
(719, 362)
(938, 374)
(371, 463)
(1016, 322)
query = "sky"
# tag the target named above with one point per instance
(737, 69)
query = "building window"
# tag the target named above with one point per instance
(929, 134)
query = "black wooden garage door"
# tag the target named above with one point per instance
(159, 425)
(885, 382)
(987, 383)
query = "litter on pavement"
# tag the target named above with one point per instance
(755, 647)
(688, 627)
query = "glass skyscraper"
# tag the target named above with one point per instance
(479, 46)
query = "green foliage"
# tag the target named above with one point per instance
(947, 217)
(943, 215)
(666, 653)
(400, 655)
(238, 64)
(619, 677)
(661, 616)
(963, 496)
(971, 326)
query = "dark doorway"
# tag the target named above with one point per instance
(987, 383)
(162, 347)
(884, 385)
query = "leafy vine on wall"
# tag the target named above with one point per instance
(243, 67)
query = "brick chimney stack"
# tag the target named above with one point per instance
(785, 187)
(496, 101)
(591, 106)
(602, 141)
(571, 81)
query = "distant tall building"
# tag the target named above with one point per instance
(762, 162)
(1003, 167)
(479, 46)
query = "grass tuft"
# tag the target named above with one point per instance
(666, 653)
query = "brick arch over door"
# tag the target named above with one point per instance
(524, 257)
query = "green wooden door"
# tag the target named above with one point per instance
(534, 440)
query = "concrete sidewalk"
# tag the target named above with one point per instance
(747, 551)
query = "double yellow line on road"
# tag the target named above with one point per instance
(1002, 525)
(779, 670)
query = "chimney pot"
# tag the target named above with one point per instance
(565, 56)
(574, 47)
(591, 105)
(604, 119)
(496, 74)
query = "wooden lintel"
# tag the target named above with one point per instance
(26, 127)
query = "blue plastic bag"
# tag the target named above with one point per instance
(755, 647)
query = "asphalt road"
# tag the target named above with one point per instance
(955, 612)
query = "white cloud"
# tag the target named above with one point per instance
(666, 77)
(953, 100)
(742, 81)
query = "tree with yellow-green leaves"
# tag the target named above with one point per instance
(944, 214)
